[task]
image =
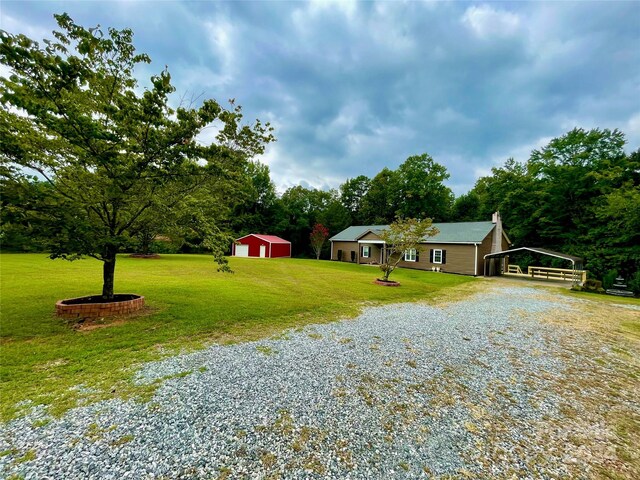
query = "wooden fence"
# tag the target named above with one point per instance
(515, 269)
(565, 274)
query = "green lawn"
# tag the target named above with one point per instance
(189, 305)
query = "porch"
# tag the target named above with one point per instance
(371, 252)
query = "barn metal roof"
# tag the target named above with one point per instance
(459, 232)
(266, 238)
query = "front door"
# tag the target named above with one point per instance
(263, 251)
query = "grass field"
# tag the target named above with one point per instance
(189, 304)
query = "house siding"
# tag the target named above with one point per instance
(370, 236)
(459, 258)
(374, 256)
(347, 248)
(485, 248)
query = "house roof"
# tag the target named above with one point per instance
(459, 232)
(351, 234)
(266, 238)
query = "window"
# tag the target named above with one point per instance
(366, 251)
(437, 256)
(410, 255)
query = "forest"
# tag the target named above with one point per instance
(579, 194)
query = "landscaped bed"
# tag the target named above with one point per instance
(511, 383)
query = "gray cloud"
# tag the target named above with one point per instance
(353, 87)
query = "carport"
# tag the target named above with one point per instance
(497, 263)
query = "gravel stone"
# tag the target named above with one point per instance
(402, 391)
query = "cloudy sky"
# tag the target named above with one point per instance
(352, 87)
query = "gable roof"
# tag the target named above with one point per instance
(351, 234)
(458, 232)
(266, 238)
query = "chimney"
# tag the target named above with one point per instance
(496, 244)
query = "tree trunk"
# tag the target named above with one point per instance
(108, 273)
(145, 244)
(318, 254)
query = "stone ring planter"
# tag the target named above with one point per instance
(386, 283)
(94, 307)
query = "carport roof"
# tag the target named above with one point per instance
(572, 258)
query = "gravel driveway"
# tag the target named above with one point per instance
(468, 389)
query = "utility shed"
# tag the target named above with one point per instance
(261, 246)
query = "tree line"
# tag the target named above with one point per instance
(579, 194)
(121, 171)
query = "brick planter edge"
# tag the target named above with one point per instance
(98, 310)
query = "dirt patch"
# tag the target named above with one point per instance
(601, 391)
(90, 324)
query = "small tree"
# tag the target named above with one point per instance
(318, 236)
(401, 236)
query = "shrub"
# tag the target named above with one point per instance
(609, 278)
(592, 285)
(634, 283)
(158, 246)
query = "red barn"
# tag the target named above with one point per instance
(262, 246)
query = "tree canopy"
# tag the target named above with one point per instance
(114, 157)
(579, 194)
(402, 236)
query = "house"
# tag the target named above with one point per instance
(457, 248)
(261, 246)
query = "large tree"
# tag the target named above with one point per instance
(566, 171)
(513, 192)
(420, 189)
(352, 191)
(256, 208)
(379, 204)
(466, 208)
(113, 155)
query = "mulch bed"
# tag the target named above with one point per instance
(386, 283)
